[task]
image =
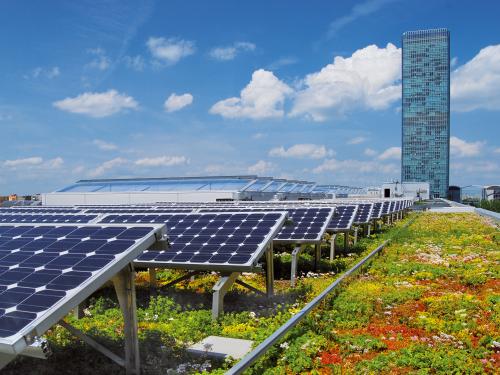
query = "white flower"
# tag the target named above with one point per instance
(284, 345)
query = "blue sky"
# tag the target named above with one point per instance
(307, 90)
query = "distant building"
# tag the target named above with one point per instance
(491, 192)
(455, 194)
(426, 109)
(411, 190)
(180, 189)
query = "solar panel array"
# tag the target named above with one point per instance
(43, 266)
(306, 224)
(214, 241)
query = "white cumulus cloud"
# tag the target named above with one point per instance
(100, 60)
(34, 160)
(462, 148)
(370, 152)
(107, 166)
(104, 146)
(370, 78)
(262, 167)
(162, 161)
(262, 98)
(97, 104)
(392, 153)
(355, 166)
(230, 52)
(176, 102)
(356, 140)
(302, 151)
(170, 50)
(476, 84)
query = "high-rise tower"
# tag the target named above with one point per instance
(426, 109)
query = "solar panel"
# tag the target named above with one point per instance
(343, 218)
(392, 207)
(386, 210)
(209, 241)
(306, 225)
(377, 210)
(363, 214)
(45, 218)
(38, 210)
(135, 209)
(46, 270)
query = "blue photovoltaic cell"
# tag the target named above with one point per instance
(363, 214)
(41, 265)
(343, 218)
(209, 240)
(377, 210)
(45, 218)
(306, 224)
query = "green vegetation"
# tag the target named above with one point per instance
(493, 205)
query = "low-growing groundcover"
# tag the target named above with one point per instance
(429, 304)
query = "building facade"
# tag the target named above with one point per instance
(426, 109)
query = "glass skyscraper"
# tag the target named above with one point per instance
(426, 109)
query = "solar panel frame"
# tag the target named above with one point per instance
(249, 266)
(17, 342)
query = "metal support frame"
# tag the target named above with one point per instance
(124, 282)
(270, 270)
(355, 241)
(220, 289)
(332, 245)
(249, 287)
(92, 343)
(295, 259)
(153, 283)
(346, 240)
(182, 278)
(78, 311)
(317, 256)
(368, 229)
(40, 349)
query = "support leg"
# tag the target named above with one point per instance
(346, 241)
(355, 235)
(317, 256)
(332, 246)
(295, 260)
(220, 289)
(270, 271)
(124, 282)
(368, 229)
(153, 284)
(78, 311)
